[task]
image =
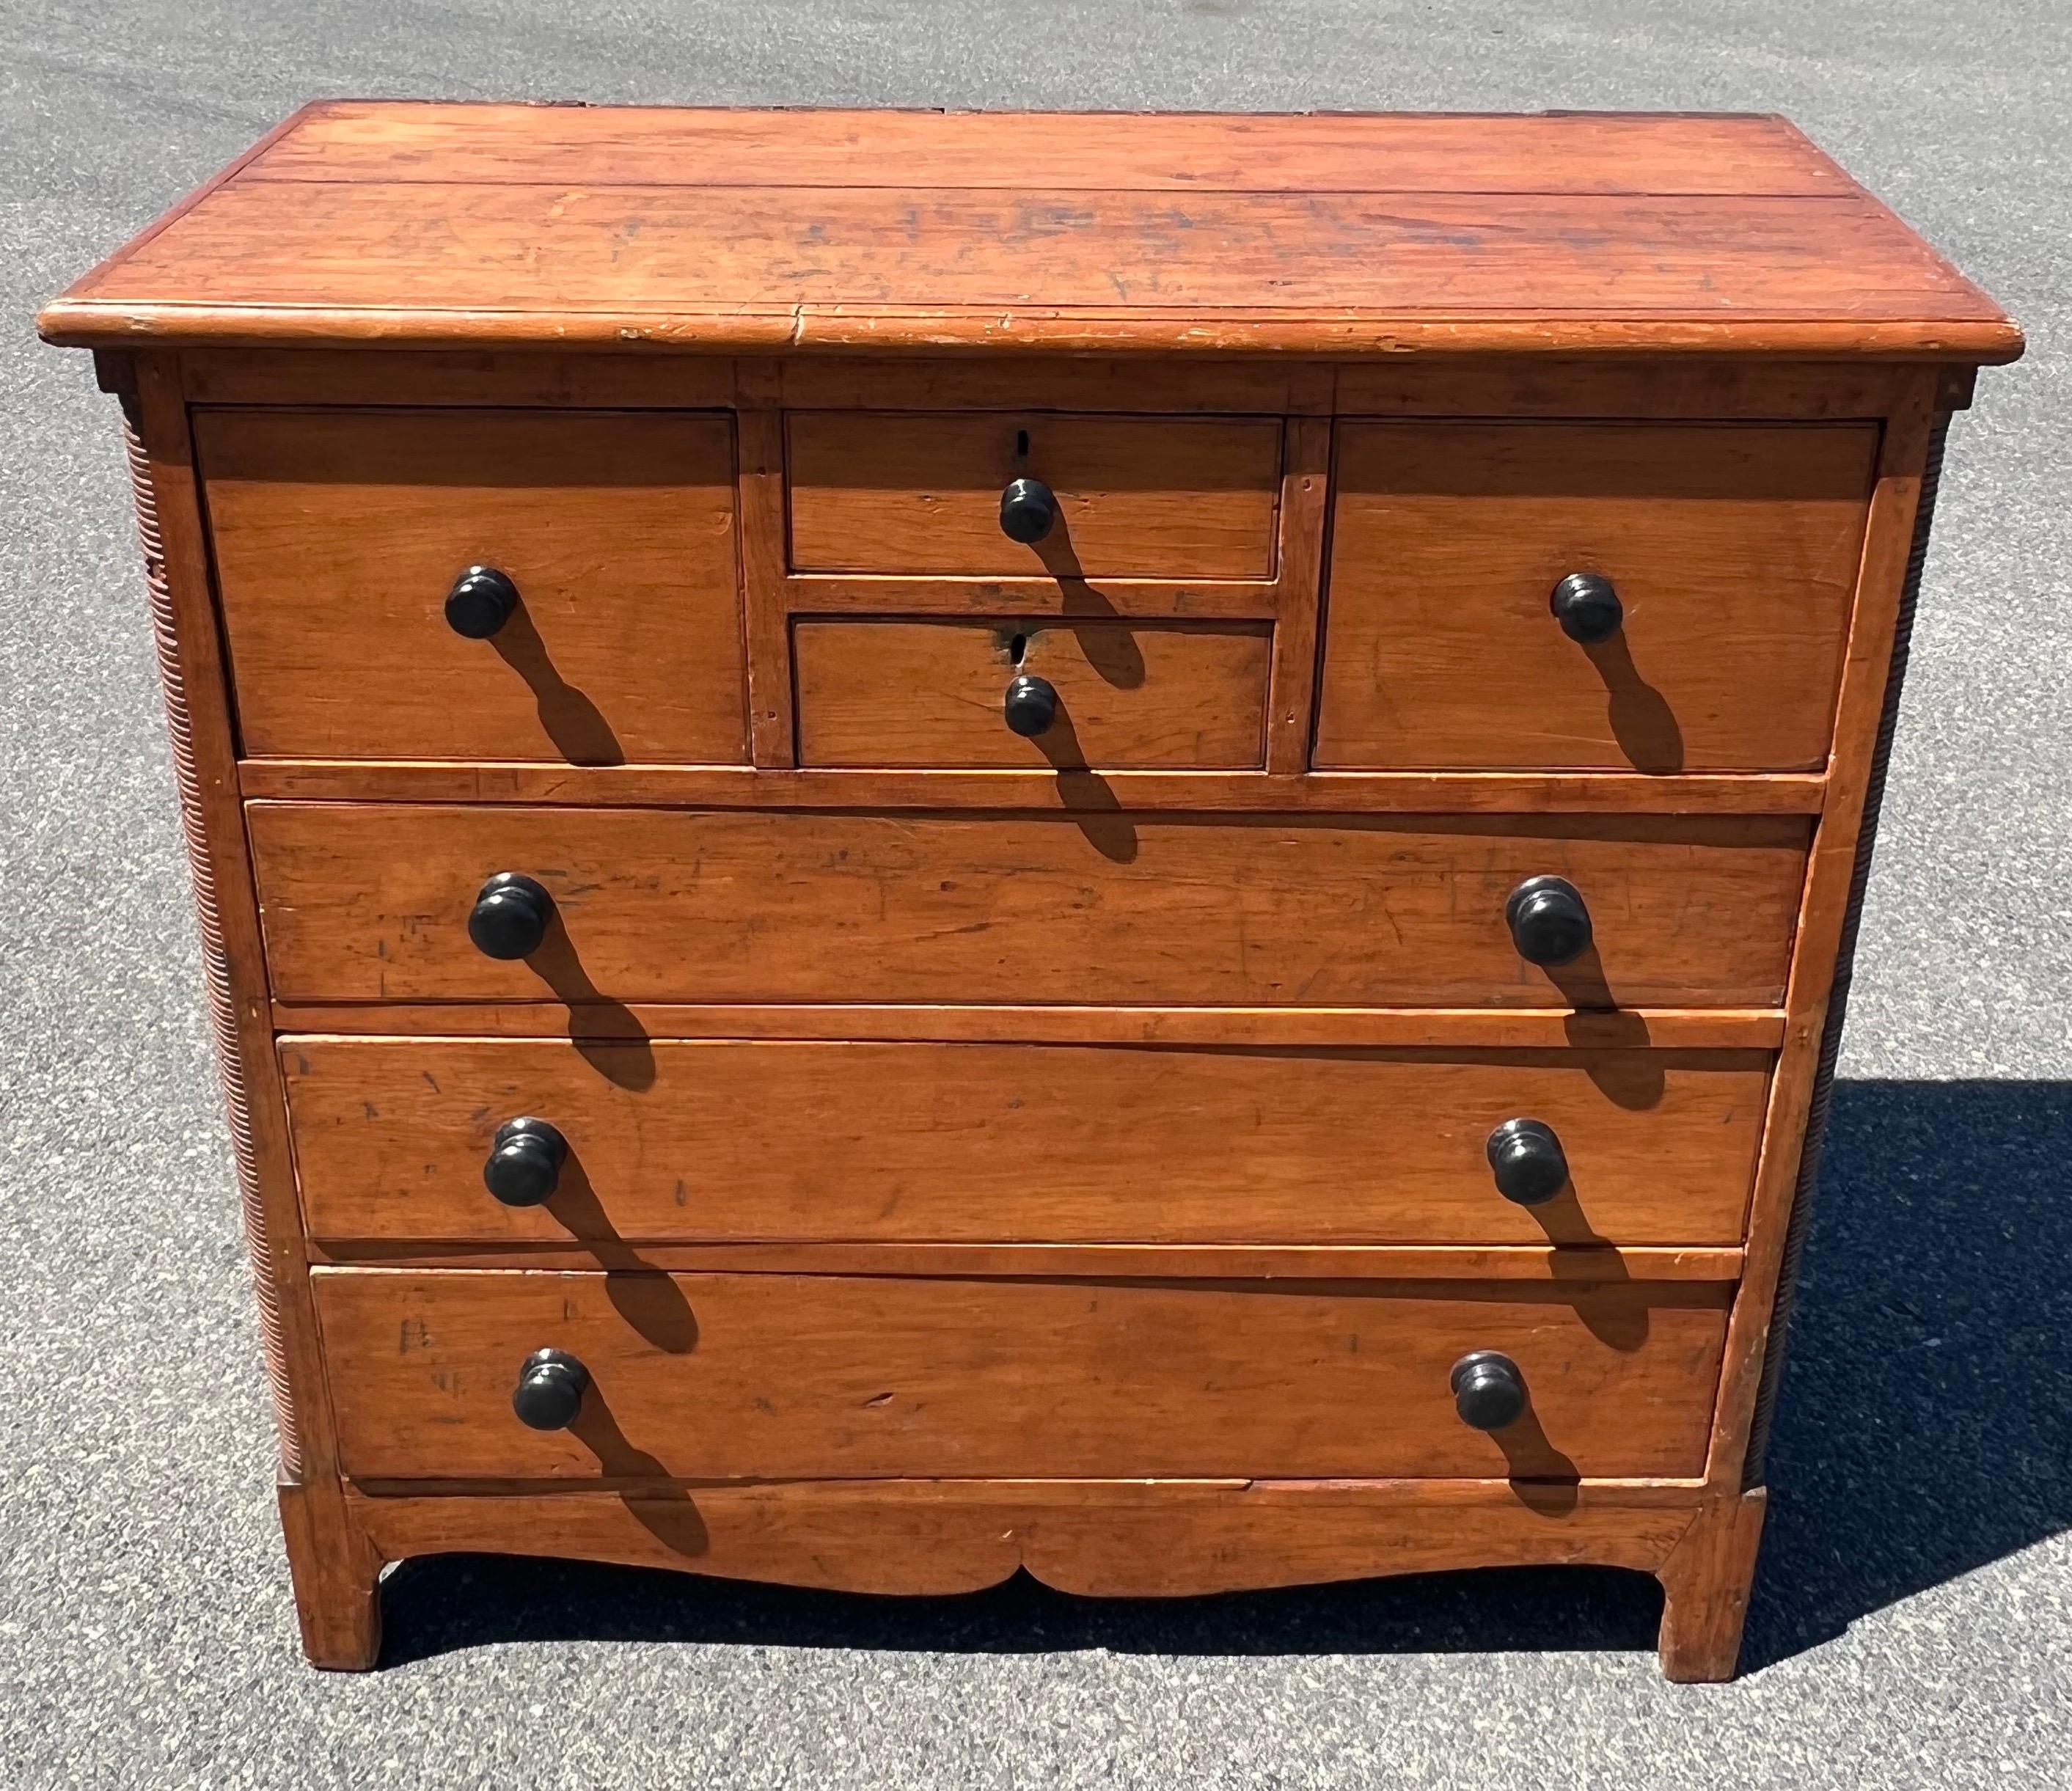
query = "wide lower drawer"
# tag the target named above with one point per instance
(682, 1141)
(733, 1376)
(373, 902)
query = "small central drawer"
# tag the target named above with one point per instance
(1181, 695)
(741, 1376)
(1148, 497)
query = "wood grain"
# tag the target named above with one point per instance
(370, 903)
(1121, 1538)
(930, 693)
(729, 1377)
(1567, 1264)
(922, 267)
(1298, 594)
(173, 534)
(1633, 388)
(1824, 916)
(1172, 152)
(1706, 1583)
(1338, 792)
(223, 998)
(338, 533)
(1733, 550)
(1057, 1023)
(760, 432)
(883, 595)
(681, 1141)
(337, 1572)
(1140, 497)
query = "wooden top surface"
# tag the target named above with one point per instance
(736, 230)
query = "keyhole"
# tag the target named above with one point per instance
(1021, 444)
(1018, 649)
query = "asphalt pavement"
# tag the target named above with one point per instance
(1913, 1619)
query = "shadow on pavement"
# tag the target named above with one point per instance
(1923, 1431)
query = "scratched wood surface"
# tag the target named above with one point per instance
(1150, 498)
(1733, 550)
(1178, 152)
(931, 693)
(456, 225)
(1693, 386)
(1038, 787)
(732, 1377)
(681, 1141)
(1056, 1023)
(369, 902)
(1569, 1265)
(1116, 1538)
(338, 534)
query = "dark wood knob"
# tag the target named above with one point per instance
(1526, 1158)
(510, 916)
(1028, 510)
(1031, 706)
(480, 602)
(550, 1390)
(525, 1160)
(1587, 607)
(1549, 922)
(1489, 1392)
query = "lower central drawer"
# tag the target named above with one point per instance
(745, 1376)
(1178, 695)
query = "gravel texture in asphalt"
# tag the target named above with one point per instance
(1913, 1619)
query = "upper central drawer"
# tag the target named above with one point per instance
(544, 586)
(1148, 497)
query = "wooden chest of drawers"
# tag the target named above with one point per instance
(1120, 846)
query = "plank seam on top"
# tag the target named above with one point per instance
(1834, 196)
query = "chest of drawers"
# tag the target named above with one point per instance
(934, 844)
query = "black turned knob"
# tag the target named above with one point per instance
(480, 602)
(1527, 1160)
(1587, 607)
(1548, 923)
(1028, 510)
(510, 916)
(1489, 1392)
(525, 1161)
(550, 1390)
(1031, 706)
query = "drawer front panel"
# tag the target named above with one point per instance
(1733, 551)
(1177, 696)
(727, 1376)
(1136, 496)
(339, 534)
(372, 902)
(681, 1141)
